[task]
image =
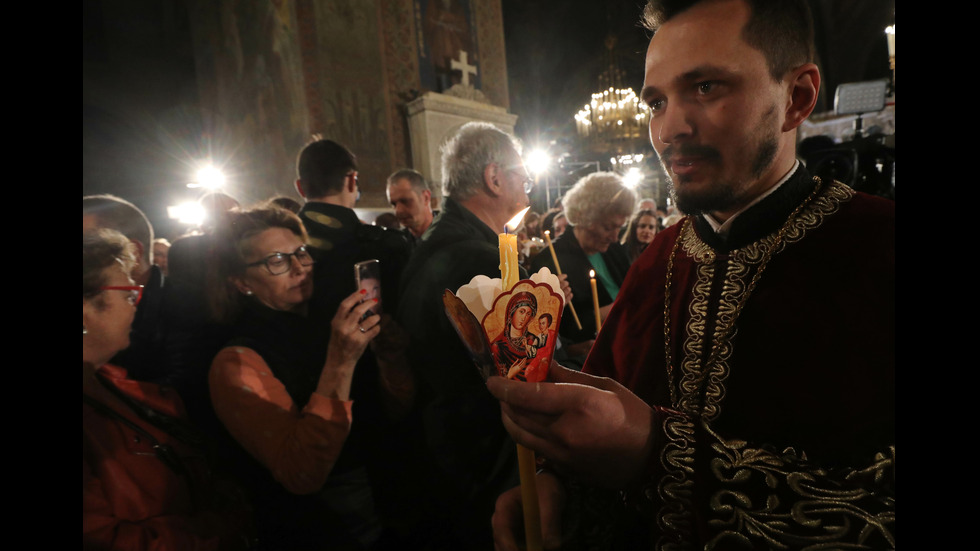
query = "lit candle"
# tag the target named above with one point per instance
(890, 35)
(595, 301)
(547, 238)
(509, 272)
(526, 463)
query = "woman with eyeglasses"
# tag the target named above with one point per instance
(145, 481)
(640, 233)
(282, 387)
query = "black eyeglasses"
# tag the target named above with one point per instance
(279, 263)
(135, 292)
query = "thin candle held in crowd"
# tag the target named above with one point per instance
(547, 238)
(595, 301)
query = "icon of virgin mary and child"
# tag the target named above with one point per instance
(517, 351)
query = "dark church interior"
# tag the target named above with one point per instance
(420, 275)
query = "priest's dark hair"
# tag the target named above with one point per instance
(322, 167)
(781, 29)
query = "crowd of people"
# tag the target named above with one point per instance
(734, 389)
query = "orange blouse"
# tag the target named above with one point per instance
(299, 447)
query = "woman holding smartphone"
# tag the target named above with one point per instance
(283, 386)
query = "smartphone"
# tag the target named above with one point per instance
(367, 275)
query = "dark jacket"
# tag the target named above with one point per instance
(470, 457)
(339, 240)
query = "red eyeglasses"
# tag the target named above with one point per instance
(135, 292)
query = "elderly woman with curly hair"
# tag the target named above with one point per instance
(597, 207)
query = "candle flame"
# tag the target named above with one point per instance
(592, 273)
(514, 222)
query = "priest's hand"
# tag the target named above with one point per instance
(508, 517)
(586, 426)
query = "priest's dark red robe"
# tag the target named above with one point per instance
(780, 427)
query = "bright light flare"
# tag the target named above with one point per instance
(187, 213)
(209, 177)
(633, 177)
(538, 161)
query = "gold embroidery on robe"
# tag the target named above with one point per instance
(825, 513)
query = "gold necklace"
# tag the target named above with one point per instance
(720, 337)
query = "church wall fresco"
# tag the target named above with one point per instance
(490, 35)
(402, 74)
(350, 100)
(248, 65)
(445, 28)
(271, 74)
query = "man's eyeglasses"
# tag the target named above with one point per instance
(279, 263)
(528, 184)
(528, 181)
(135, 292)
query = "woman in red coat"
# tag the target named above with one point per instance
(144, 480)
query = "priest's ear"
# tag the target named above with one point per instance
(804, 86)
(299, 188)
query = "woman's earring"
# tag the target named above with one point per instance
(84, 331)
(249, 292)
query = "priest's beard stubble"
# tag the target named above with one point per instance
(726, 192)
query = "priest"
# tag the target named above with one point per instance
(741, 393)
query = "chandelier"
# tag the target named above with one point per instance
(614, 121)
(613, 114)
